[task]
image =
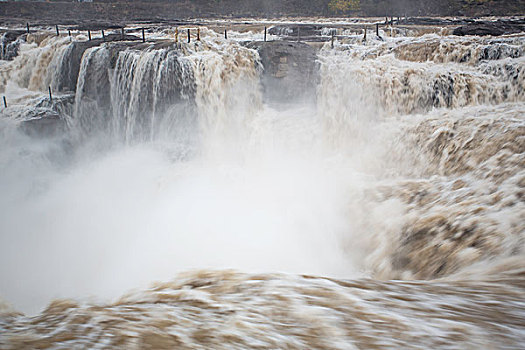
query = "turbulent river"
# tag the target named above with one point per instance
(378, 202)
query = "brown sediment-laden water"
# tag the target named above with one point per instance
(347, 195)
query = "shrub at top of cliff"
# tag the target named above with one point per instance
(343, 6)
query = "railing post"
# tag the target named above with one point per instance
(264, 33)
(50, 95)
(143, 36)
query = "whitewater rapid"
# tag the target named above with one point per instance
(387, 211)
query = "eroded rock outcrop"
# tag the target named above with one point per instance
(290, 69)
(10, 44)
(491, 28)
(70, 65)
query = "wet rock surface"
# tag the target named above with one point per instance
(47, 118)
(429, 21)
(491, 28)
(290, 69)
(304, 32)
(71, 64)
(44, 123)
(9, 44)
(62, 104)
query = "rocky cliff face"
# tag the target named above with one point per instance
(10, 43)
(290, 69)
(70, 64)
(491, 28)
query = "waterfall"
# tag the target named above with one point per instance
(131, 93)
(391, 167)
(92, 99)
(134, 92)
(35, 65)
(144, 88)
(227, 94)
(397, 86)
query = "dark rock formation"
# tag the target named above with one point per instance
(430, 21)
(9, 44)
(290, 69)
(491, 28)
(43, 122)
(70, 65)
(61, 104)
(47, 118)
(304, 32)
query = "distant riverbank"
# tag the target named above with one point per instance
(120, 12)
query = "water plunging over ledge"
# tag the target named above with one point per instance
(391, 168)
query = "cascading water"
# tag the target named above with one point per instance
(130, 96)
(401, 86)
(409, 165)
